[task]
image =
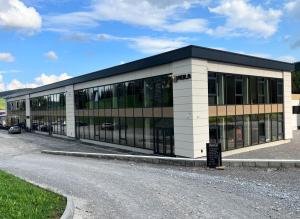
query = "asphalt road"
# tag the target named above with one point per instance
(116, 189)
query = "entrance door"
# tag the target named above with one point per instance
(164, 141)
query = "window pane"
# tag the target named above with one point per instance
(122, 130)
(116, 130)
(157, 97)
(220, 91)
(239, 126)
(274, 126)
(254, 129)
(222, 132)
(268, 127)
(213, 136)
(247, 130)
(115, 96)
(167, 89)
(130, 131)
(108, 129)
(129, 94)
(230, 89)
(280, 126)
(230, 127)
(261, 91)
(253, 89)
(148, 124)
(121, 95)
(148, 92)
(139, 93)
(262, 129)
(139, 134)
(102, 97)
(108, 97)
(102, 128)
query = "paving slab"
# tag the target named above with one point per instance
(286, 151)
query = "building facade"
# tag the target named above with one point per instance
(172, 103)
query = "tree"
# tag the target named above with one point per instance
(296, 79)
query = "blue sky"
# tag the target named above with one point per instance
(43, 41)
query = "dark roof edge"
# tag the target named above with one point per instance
(167, 57)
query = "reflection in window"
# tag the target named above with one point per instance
(254, 129)
(261, 128)
(230, 129)
(222, 132)
(268, 127)
(239, 126)
(274, 126)
(247, 130)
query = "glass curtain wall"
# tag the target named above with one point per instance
(48, 113)
(242, 130)
(16, 113)
(126, 113)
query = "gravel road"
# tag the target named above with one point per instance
(116, 189)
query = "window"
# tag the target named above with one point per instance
(212, 89)
(253, 90)
(280, 126)
(167, 91)
(274, 126)
(129, 94)
(148, 92)
(261, 91)
(273, 90)
(279, 91)
(261, 128)
(230, 89)
(230, 129)
(247, 130)
(130, 131)
(268, 127)
(148, 133)
(220, 89)
(296, 109)
(222, 132)
(254, 129)
(157, 92)
(139, 94)
(239, 131)
(238, 90)
(213, 134)
(139, 132)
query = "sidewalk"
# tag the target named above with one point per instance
(188, 162)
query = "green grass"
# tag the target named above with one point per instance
(20, 199)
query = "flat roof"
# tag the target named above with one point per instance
(168, 57)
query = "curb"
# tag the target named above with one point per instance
(70, 209)
(188, 162)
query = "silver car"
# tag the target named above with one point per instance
(14, 130)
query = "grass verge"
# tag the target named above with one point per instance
(20, 199)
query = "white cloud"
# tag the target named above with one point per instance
(243, 18)
(287, 58)
(163, 15)
(6, 57)
(293, 8)
(147, 45)
(51, 55)
(15, 15)
(41, 80)
(44, 79)
(153, 46)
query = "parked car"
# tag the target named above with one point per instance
(14, 130)
(108, 126)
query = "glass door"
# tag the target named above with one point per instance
(164, 141)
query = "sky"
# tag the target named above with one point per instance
(44, 41)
